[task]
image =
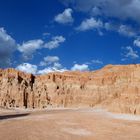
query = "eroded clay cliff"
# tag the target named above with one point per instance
(116, 88)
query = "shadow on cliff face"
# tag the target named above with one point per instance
(12, 116)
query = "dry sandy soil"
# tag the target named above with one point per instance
(67, 124)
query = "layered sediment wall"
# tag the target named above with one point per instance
(116, 88)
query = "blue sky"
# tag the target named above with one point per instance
(56, 35)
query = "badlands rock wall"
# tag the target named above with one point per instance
(116, 88)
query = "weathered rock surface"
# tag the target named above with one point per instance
(116, 88)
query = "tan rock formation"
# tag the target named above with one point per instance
(116, 88)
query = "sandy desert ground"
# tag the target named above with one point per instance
(67, 124)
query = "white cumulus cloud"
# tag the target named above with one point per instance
(53, 65)
(56, 67)
(78, 67)
(28, 48)
(7, 47)
(137, 42)
(90, 24)
(28, 68)
(121, 9)
(49, 60)
(50, 69)
(130, 53)
(126, 31)
(65, 17)
(55, 42)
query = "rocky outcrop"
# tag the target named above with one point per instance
(116, 88)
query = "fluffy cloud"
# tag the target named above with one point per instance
(49, 60)
(109, 26)
(29, 47)
(53, 65)
(122, 9)
(28, 68)
(126, 31)
(7, 47)
(78, 67)
(65, 17)
(58, 65)
(89, 24)
(137, 42)
(130, 53)
(51, 69)
(55, 42)
(95, 11)
(128, 10)
(92, 23)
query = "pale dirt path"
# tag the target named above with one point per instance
(72, 124)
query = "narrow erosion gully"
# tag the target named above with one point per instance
(25, 98)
